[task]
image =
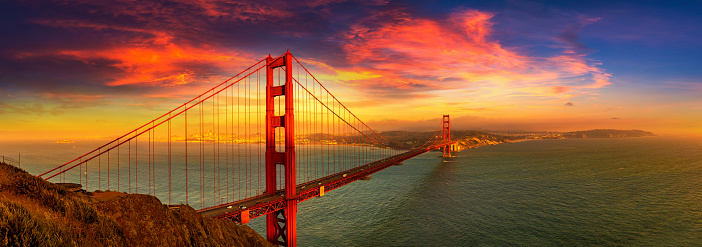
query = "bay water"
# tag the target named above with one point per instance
(570, 192)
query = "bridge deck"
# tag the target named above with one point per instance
(264, 204)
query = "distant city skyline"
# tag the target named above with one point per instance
(76, 68)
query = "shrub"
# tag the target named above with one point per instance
(19, 228)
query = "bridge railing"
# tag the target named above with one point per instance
(10, 160)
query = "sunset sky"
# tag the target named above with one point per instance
(81, 68)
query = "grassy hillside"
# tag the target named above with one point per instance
(34, 212)
(465, 138)
(472, 139)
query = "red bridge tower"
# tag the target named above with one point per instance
(447, 135)
(281, 227)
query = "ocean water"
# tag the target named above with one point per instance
(572, 192)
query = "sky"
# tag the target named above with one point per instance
(81, 68)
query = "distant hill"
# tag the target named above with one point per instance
(606, 133)
(596, 133)
(465, 138)
(34, 212)
(471, 138)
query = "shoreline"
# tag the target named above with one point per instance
(491, 143)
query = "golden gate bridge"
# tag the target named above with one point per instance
(254, 145)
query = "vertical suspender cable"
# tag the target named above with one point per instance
(148, 142)
(258, 129)
(202, 188)
(136, 163)
(169, 161)
(240, 158)
(118, 172)
(129, 176)
(99, 171)
(108, 170)
(226, 143)
(186, 153)
(153, 157)
(214, 154)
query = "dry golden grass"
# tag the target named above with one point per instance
(34, 212)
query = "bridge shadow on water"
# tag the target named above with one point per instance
(427, 214)
(397, 207)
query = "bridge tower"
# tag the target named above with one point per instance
(447, 135)
(281, 226)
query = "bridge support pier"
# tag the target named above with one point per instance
(281, 227)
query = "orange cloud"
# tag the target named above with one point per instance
(459, 53)
(166, 65)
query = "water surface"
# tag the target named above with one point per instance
(573, 192)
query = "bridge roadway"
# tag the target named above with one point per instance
(264, 204)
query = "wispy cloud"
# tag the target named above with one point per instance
(410, 54)
(376, 53)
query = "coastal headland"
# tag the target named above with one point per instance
(467, 139)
